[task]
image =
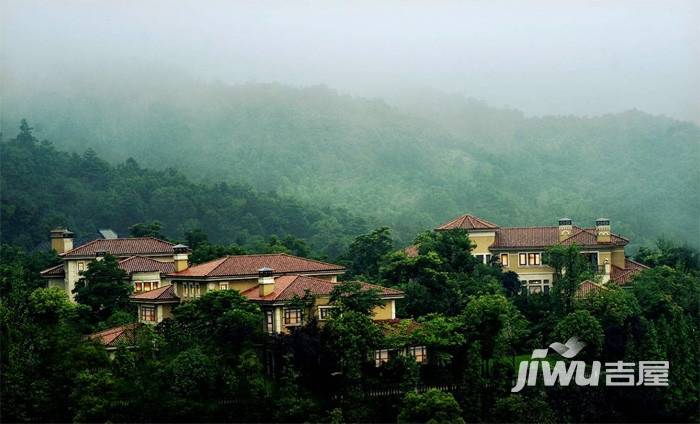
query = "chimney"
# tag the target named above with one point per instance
(602, 230)
(565, 229)
(61, 240)
(181, 257)
(266, 282)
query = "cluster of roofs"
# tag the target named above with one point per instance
(163, 277)
(521, 250)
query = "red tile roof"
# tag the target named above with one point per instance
(411, 251)
(549, 236)
(165, 294)
(468, 222)
(248, 265)
(286, 287)
(144, 264)
(587, 287)
(622, 276)
(112, 337)
(123, 247)
(53, 272)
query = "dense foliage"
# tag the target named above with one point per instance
(43, 187)
(213, 362)
(412, 165)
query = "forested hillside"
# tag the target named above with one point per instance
(43, 187)
(409, 167)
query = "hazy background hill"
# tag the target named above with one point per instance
(410, 164)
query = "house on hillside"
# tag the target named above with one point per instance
(162, 278)
(520, 249)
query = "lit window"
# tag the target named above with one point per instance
(533, 258)
(155, 284)
(148, 313)
(292, 316)
(186, 289)
(418, 352)
(146, 285)
(522, 259)
(324, 312)
(504, 259)
(269, 322)
(81, 266)
(223, 286)
(381, 356)
(138, 286)
(196, 289)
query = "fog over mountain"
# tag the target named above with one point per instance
(404, 113)
(542, 57)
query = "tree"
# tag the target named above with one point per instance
(517, 408)
(431, 407)
(452, 246)
(495, 323)
(570, 268)
(367, 251)
(511, 283)
(583, 325)
(196, 237)
(221, 318)
(353, 296)
(150, 229)
(667, 252)
(103, 287)
(25, 135)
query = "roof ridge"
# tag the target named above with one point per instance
(637, 263)
(82, 245)
(221, 262)
(296, 277)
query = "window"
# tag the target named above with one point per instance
(185, 289)
(418, 352)
(146, 285)
(138, 286)
(148, 313)
(292, 316)
(480, 258)
(196, 289)
(504, 259)
(223, 286)
(546, 289)
(381, 356)
(324, 312)
(522, 259)
(533, 259)
(81, 266)
(487, 259)
(269, 321)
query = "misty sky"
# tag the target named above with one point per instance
(543, 57)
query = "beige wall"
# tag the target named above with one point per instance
(482, 242)
(618, 258)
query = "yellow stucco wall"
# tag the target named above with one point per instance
(618, 258)
(482, 242)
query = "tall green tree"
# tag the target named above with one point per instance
(367, 251)
(570, 269)
(103, 287)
